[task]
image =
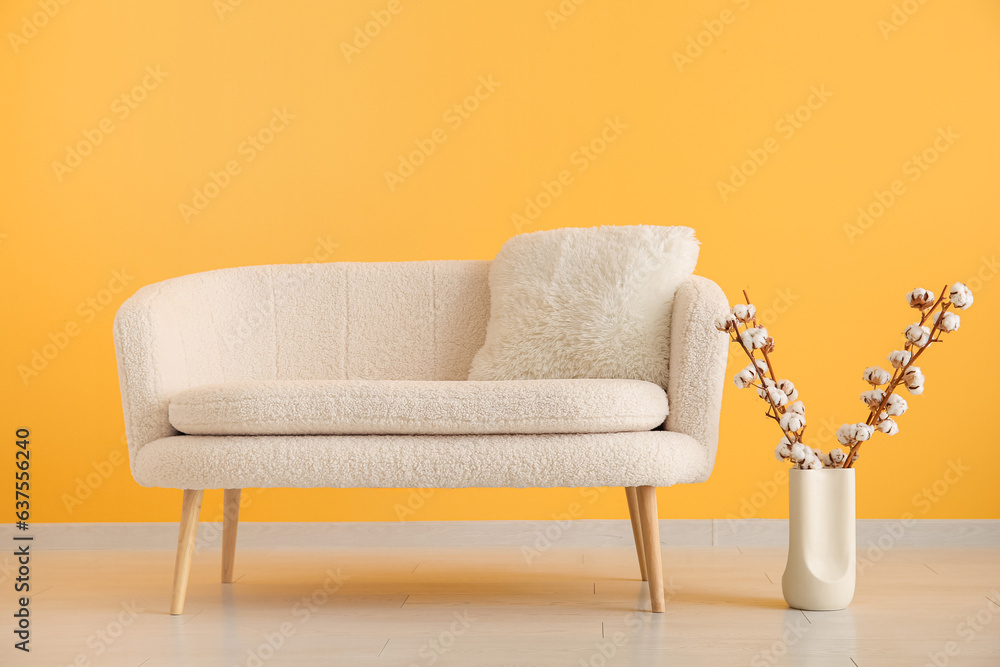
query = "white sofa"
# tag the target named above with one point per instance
(354, 375)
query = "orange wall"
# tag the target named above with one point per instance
(299, 128)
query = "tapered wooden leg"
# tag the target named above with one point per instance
(633, 513)
(651, 541)
(190, 508)
(230, 522)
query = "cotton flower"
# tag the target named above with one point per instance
(761, 366)
(900, 358)
(873, 398)
(920, 298)
(875, 376)
(895, 405)
(788, 387)
(768, 345)
(797, 452)
(917, 334)
(726, 323)
(792, 421)
(797, 407)
(814, 462)
(784, 449)
(950, 321)
(770, 389)
(914, 379)
(888, 426)
(754, 338)
(743, 313)
(849, 434)
(744, 378)
(834, 458)
(777, 396)
(961, 296)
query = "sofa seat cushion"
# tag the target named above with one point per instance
(404, 407)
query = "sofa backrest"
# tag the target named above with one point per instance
(378, 321)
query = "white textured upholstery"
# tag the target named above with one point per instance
(657, 458)
(413, 407)
(388, 321)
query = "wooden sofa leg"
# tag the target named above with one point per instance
(633, 513)
(230, 522)
(190, 508)
(651, 541)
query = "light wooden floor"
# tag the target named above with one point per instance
(490, 607)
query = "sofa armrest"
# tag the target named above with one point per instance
(151, 367)
(698, 354)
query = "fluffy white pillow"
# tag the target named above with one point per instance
(585, 303)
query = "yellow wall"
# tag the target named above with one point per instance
(170, 93)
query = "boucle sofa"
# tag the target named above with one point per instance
(354, 375)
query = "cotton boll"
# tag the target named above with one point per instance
(961, 296)
(914, 379)
(836, 457)
(754, 338)
(875, 376)
(888, 426)
(815, 463)
(900, 358)
(761, 367)
(873, 398)
(792, 421)
(768, 383)
(846, 434)
(797, 452)
(864, 432)
(743, 313)
(784, 449)
(777, 396)
(788, 387)
(895, 406)
(917, 334)
(950, 321)
(797, 407)
(920, 298)
(744, 378)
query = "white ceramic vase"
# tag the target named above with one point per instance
(822, 551)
